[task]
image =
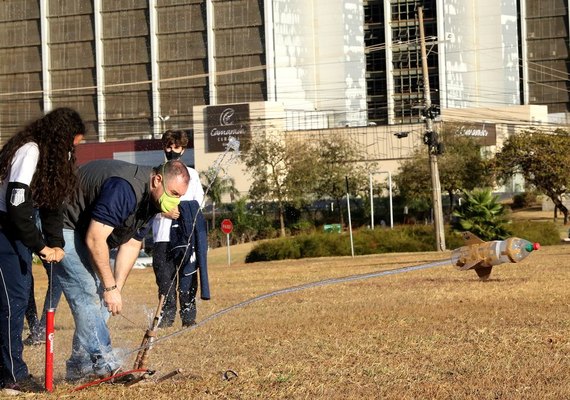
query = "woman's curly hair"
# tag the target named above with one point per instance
(55, 179)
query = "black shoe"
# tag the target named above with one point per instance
(186, 324)
(27, 385)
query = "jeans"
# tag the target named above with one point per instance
(15, 286)
(91, 349)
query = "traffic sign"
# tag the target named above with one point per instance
(227, 226)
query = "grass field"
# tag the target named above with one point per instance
(436, 333)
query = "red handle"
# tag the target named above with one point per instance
(50, 320)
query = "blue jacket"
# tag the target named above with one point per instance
(191, 224)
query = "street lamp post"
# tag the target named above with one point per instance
(430, 138)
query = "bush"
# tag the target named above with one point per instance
(524, 200)
(324, 245)
(366, 241)
(544, 232)
(313, 246)
(397, 240)
(482, 214)
(453, 239)
(278, 249)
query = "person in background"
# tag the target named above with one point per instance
(114, 206)
(37, 174)
(165, 266)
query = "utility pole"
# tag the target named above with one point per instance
(430, 139)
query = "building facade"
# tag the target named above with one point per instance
(136, 67)
(481, 53)
(545, 47)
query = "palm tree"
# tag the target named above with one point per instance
(217, 187)
(480, 213)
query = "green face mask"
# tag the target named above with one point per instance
(166, 201)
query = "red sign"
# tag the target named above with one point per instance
(227, 226)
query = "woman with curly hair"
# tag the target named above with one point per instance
(37, 174)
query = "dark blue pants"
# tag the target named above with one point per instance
(166, 273)
(187, 288)
(15, 286)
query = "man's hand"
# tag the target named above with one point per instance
(172, 214)
(113, 300)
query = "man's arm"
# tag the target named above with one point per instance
(96, 241)
(126, 257)
(116, 202)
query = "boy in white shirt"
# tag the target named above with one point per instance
(174, 144)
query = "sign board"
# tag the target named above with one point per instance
(485, 134)
(227, 226)
(332, 228)
(223, 122)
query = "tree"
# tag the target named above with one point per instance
(217, 187)
(413, 182)
(282, 169)
(339, 159)
(481, 213)
(248, 224)
(461, 167)
(542, 158)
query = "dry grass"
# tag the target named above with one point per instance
(430, 334)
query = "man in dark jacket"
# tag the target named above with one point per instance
(115, 203)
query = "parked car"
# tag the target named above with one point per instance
(142, 261)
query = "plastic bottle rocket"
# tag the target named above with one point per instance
(482, 256)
